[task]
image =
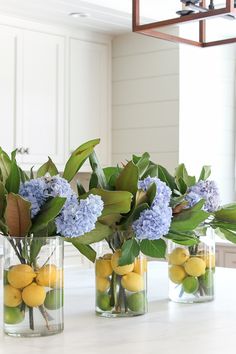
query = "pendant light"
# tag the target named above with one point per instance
(200, 23)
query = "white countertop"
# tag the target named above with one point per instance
(168, 328)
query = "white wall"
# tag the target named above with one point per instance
(145, 99)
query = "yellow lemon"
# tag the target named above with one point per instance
(12, 296)
(121, 270)
(195, 266)
(47, 275)
(208, 258)
(59, 281)
(34, 295)
(179, 256)
(102, 284)
(177, 274)
(20, 275)
(140, 265)
(103, 268)
(132, 282)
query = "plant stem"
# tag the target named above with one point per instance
(46, 316)
(31, 318)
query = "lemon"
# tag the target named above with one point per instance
(190, 285)
(12, 296)
(121, 270)
(103, 268)
(34, 295)
(177, 274)
(208, 258)
(47, 275)
(179, 256)
(20, 275)
(195, 266)
(59, 281)
(137, 302)
(13, 315)
(54, 299)
(102, 284)
(103, 302)
(132, 282)
(140, 265)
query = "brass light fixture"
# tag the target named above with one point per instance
(200, 13)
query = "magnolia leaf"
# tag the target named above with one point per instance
(5, 165)
(189, 219)
(182, 186)
(97, 170)
(205, 173)
(115, 202)
(98, 234)
(166, 177)
(129, 251)
(225, 225)
(142, 163)
(153, 248)
(47, 214)
(2, 199)
(47, 167)
(93, 183)
(17, 215)
(185, 239)
(80, 188)
(227, 213)
(141, 197)
(13, 179)
(128, 178)
(85, 250)
(151, 193)
(226, 234)
(111, 174)
(152, 171)
(110, 219)
(23, 175)
(3, 227)
(77, 159)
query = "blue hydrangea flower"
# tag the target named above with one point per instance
(163, 191)
(204, 190)
(76, 219)
(59, 187)
(35, 191)
(153, 223)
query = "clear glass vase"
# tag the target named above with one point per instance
(33, 286)
(121, 291)
(191, 269)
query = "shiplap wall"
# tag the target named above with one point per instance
(207, 113)
(145, 99)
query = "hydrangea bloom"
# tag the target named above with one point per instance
(35, 191)
(153, 223)
(163, 191)
(59, 187)
(204, 190)
(78, 218)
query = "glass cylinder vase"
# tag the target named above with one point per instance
(33, 286)
(121, 291)
(191, 269)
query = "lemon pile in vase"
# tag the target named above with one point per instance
(120, 290)
(191, 274)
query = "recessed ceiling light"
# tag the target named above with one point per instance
(79, 14)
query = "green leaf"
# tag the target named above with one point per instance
(115, 202)
(225, 225)
(93, 183)
(78, 158)
(5, 165)
(227, 213)
(2, 199)
(129, 251)
(111, 174)
(32, 173)
(153, 248)
(151, 193)
(182, 175)
(85, 250)
(152, 171)
(182, 186)
(47, 214)
(186, 239)
(227, 234)
(3, 227)
(205, 173)
(35, 247)
(47, 167)
(97, 170)
(98, 234)
(17, 215)
(80, 188)
(23, 175)
(13, 179)
(142, 163)
(166, 177)
(128, 179)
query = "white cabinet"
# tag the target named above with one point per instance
(89, 106)
(41, 98)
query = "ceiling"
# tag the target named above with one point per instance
(109, 16)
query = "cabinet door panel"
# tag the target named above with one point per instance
(42, 101)
(9, 44)
(89, 96)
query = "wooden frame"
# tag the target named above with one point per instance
(151, 29)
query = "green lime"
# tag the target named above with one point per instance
(207, 279)
(190, 285)
(137, 302)
(103, 301)
(5, 279)
(54, 299)
(13, 315)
